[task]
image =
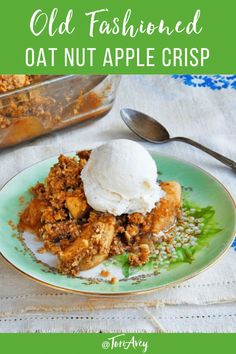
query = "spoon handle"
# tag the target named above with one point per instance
(216, 155)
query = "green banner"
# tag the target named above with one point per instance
(117, 343)
(120, 36)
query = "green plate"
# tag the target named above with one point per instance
(202, 191)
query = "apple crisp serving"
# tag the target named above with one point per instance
(82, 237)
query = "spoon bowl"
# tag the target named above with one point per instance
(144, 126)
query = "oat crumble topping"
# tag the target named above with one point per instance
(81, 237)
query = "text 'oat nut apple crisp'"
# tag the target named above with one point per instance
(100, 204)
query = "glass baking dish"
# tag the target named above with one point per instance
(53, 104)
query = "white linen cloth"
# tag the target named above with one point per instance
(203, 304)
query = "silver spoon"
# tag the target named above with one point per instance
(149, 129)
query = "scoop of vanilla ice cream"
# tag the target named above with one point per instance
(120, 177)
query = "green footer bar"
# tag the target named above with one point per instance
(117, 343)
